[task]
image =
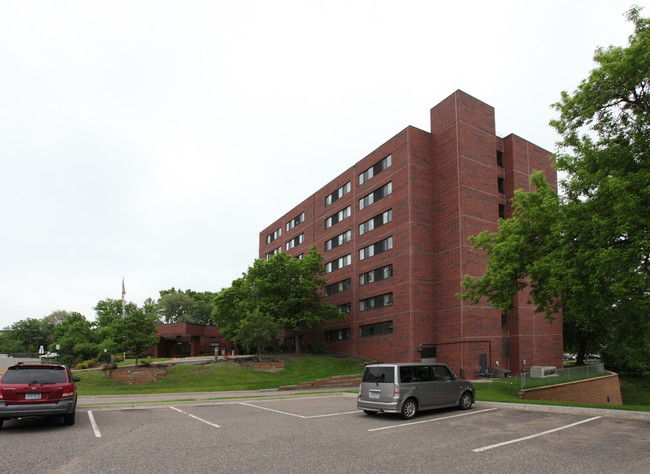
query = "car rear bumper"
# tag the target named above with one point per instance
(64, 407)
(372, 405)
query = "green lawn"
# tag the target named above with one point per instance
(223, 376)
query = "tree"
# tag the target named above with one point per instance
(136, 332)
(587, 253)
(177, 306)
(283, 291)
(72, 331)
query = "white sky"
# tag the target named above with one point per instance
(154, 140)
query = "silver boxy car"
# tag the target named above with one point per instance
(409, 387)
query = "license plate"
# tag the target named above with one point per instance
(32, 396)
(375, 394)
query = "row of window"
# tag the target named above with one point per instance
(295, 241)
(271, 237)
(376, 248)
(375, 222)
(338, 194)
(374, 302)
(273, 252)
(376, 195)
(338, 263)
(338, 217)
(338, 287)
(375, 169)
(378, 274)
(295, 221)
(338, 240)
(367, 330)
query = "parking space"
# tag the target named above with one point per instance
(325, 433)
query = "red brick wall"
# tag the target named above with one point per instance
(444, 190)
(601, 390)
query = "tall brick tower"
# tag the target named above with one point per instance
(394, 231)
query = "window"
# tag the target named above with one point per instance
(338, 287)
(338, 335)
(296, 241)
(500, 159)
(377, 329)
(295, 221)
(380, 301)
(338, 217)
(270, 254)
(500, 185)
(376, 248)
(271, 237)
(339, 193)
(378, 274)
(502, 211)
(345, 308)
(338, 240)
(338, 263)
(375, 222)
(375, 169)
(376, 195)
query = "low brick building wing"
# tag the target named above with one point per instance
(394, 231)
(187, 340)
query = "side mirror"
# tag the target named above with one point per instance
(76, 379)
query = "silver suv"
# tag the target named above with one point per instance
(408, 388)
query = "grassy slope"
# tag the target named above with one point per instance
(223, 376)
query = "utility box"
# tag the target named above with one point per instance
(541, 371)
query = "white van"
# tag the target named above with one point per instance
(408, 388)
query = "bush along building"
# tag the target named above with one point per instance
(393, 230)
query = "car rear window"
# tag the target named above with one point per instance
(35, 375)
(379, 375)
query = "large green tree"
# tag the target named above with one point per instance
(177, 306)
(587, 253)
(284, 292)
(135, 332)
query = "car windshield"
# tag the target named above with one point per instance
(34, 375)
(379, 375)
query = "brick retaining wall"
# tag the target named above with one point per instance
(139, 375)
(600, 390)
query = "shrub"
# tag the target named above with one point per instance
(317, 347)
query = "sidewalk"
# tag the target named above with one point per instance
(154, 400)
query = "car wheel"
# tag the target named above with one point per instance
(465, 401)
(370, 412)
(68, 419)
(409, 409)
(1, 421)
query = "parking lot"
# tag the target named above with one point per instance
(324, 433)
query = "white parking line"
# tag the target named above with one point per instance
(432, 419)
(498, 445)
(297, 416)
(196, 417)
(93, 423)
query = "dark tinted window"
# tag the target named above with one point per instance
(415, 374)
(34, 375)
(442, 373)
(379, 375)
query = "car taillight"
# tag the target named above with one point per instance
(68, 391)
(396, 392)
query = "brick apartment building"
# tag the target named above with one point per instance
(394, 231)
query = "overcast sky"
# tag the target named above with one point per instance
(154, 140)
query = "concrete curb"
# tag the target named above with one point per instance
(624, 414)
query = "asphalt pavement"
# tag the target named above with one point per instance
(126, 402)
